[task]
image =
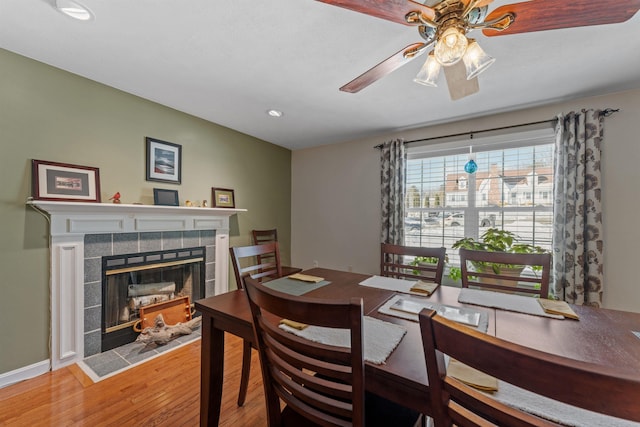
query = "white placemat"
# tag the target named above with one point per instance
(385, 308)
(380, 337)
(553, 410)
(391, 284)
(504, 301)
(294, 287)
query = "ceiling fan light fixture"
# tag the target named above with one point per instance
(74, 10)
(428, 74)
(451, 46)
(476, 60)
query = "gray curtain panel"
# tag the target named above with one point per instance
(393, 161)
(577, 234)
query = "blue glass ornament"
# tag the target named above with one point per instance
(471, 166)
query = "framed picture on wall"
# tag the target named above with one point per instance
(164, 161)
(223, 198)
(65, 182)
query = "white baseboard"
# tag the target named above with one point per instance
(25, 373)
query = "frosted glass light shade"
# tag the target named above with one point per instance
(476, 60)
(429, 72)
(451, 46)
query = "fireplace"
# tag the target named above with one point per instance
(82, 233)
(131, 282)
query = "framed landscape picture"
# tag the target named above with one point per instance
(164, 161)
(65, 182)
(223, 198)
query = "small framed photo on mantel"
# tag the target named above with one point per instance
(223, 198)
(162, 197)
(65, 182)
(164, 161)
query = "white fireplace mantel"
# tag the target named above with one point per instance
(70, 221)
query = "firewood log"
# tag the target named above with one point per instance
(161, 333)
(138, 290)
(137, 302)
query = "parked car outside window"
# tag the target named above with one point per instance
(412, 224)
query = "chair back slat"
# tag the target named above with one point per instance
(264, 236)
(501, 271)
(260, 237)
(322, 383)
(395, 261)
(246, 261)
(566, 380)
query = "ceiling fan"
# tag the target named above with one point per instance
(445, 24)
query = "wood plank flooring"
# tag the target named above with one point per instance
(164, 391)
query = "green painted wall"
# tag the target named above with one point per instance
(50, 114)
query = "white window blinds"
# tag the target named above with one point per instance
(512, 189)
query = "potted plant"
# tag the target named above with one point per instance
(496, 240)
(428, 261)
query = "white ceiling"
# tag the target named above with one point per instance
(230, 61)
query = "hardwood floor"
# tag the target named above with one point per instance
(164, 391)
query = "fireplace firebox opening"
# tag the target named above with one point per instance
(132, 281)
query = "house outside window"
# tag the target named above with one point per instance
(510, 190)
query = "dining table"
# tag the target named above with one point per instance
(601, 336)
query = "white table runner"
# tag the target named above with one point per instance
(504, 301)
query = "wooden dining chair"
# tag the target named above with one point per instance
(395, 261)
(319, 384)
(264, 236)
(501, 271)
(260, 237)
(574, 382)
(262, 262)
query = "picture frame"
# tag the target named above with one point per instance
(222, 198)
(163, 161)
(164, 197)
(65, 182)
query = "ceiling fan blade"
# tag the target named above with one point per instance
(387, 66)
(391, 10)
(459, 86)
(541, 15)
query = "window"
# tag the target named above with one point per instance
(512, 189)
(462, 183)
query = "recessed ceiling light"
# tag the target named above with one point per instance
(74, 9)
(275, 113)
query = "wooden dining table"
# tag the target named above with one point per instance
(601, 336)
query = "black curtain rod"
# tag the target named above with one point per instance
(606, 113)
